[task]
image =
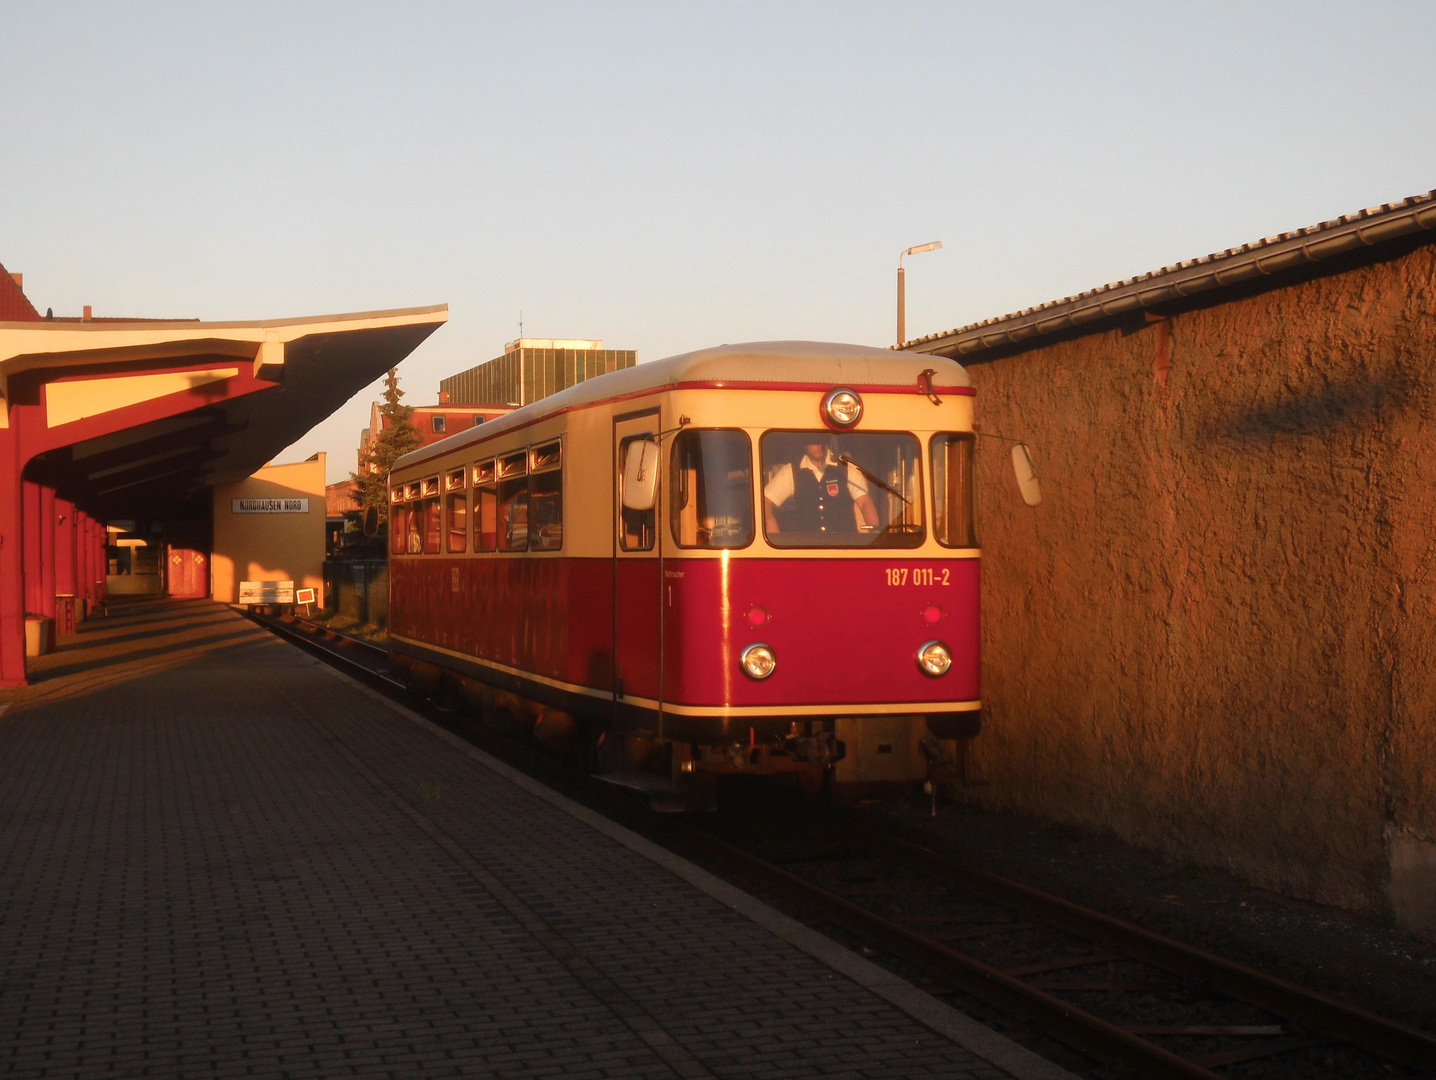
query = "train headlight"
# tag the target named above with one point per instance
(842, 407)
(934, 658)
(758, 661)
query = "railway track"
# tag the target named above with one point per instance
(1127, 1000)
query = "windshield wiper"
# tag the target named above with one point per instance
(880, 483)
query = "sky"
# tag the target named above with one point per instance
(670, 176)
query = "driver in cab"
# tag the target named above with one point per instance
(818, 494)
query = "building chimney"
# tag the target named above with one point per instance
(19, 280)
(88, 315)
(443, 397)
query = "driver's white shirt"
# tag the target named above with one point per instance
(780, 489)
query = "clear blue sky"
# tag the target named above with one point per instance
(671, 176)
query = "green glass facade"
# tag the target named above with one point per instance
(525, 375)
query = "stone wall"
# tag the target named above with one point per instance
(1214, 637)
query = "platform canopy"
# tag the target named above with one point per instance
(125, 419)
(105, 419)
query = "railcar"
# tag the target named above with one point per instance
(755, 558)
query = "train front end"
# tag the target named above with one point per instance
(820, 591)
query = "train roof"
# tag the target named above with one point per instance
(780, 363)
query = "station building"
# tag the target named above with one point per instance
(1215, 636)
(148, 425)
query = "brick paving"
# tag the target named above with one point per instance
(218, 860)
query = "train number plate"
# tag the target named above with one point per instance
(924, 576)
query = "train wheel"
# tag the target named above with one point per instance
(817, 785)
(445, 697)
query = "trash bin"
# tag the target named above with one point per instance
(39, 635)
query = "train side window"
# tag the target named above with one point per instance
(456, 511)
(486, 532)
(513, 502)
(953, 487)
(398, 527)
(710, 493)
(414, 530)
(546, 497)
(635, 527)
(433, 525)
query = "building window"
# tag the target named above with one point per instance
(438, 423)
(478, 420)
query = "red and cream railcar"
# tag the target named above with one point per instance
(751, 558)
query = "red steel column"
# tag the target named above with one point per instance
(30, 545)
(47, 552)
(85, 558)
(102, 562)
(12, 564)
(65, 582)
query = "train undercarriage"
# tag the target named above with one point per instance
(842, 758)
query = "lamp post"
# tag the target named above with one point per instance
(902, 296)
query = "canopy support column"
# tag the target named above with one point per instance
(12, 567)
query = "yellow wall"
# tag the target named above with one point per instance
(270, 547)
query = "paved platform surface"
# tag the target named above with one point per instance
(218, 859)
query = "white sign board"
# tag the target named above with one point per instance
(266, 592)
(269, 506)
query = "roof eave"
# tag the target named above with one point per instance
(1269, 258)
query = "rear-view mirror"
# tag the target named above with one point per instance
(640, 475)
(1026, 471)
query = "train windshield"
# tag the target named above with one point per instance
(858, 490)
(711, 489)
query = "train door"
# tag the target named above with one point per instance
(636, 572)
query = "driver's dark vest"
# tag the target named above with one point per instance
(823, 505)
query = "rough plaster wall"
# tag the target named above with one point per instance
(1214, 637)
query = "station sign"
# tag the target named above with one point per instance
(269, 506)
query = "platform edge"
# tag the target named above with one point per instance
(991, 1046)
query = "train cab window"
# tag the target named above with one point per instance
(953, 514)
(456, 511)
(857, 490)
(513, 502)
(546, 496)
(635, 527)
(486, 533)
(710, 493)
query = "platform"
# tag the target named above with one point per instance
(219, 858)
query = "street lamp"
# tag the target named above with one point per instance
(902, 299)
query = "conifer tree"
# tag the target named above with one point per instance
(397, 436)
